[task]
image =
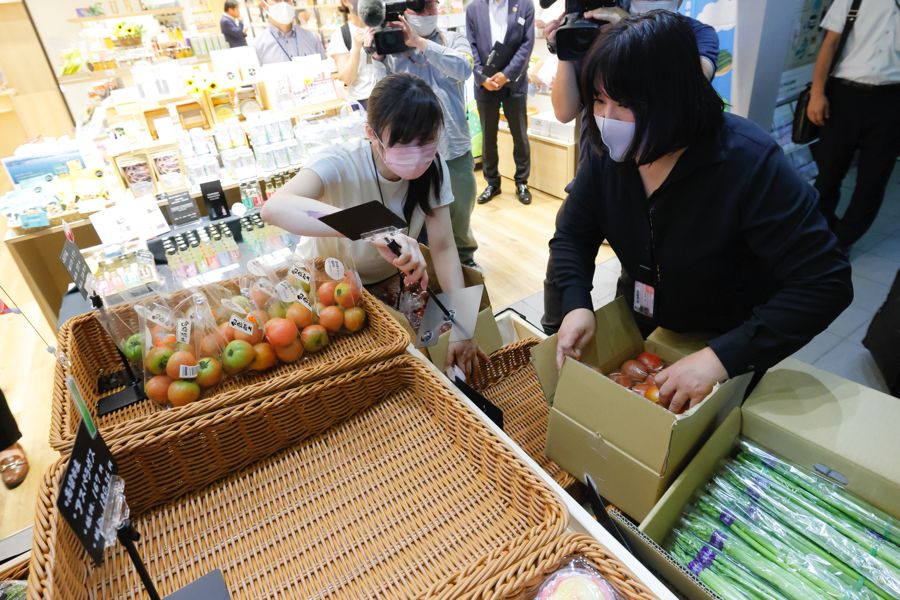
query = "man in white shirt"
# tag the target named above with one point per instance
(859, 110)
(282, 40)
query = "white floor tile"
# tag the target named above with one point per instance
(818, 347)
(886, 223)
(889, 248)
(874, 267)
(849, 321)
(866, 242)
(868, 294)
(853, 362)
(856, 337)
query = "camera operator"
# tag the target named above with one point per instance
(444, 60)
(565, 94)
(355, 67)
(283, 40)
(502, 36)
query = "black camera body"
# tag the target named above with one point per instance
(576, 34)
(388, 39)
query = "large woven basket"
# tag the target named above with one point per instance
(522, 581)
(378, 483)
(91, 352)
(16, 569)
(509, 381)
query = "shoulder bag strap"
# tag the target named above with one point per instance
(848, 27)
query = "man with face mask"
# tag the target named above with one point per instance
(444, 60)
(282, 40)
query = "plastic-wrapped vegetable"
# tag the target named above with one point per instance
(576, 580)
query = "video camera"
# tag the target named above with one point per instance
(378, 13)
(576, 34)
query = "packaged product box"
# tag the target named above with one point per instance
(823, 423)
(632, 448)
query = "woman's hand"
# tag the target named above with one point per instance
(818, 109)
(610, 15)
(410, 262)
(550, 29)
(466, 355)
(687, 382)
(369, 42)
(576, 330)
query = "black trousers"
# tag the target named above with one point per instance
(514, 109)
(9, 431)
(865, 119)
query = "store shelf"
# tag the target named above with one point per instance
(83, 77)
(127, 15)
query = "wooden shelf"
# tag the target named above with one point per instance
(82, 77)
(126, 15)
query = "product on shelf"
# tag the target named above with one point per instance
(118, 268)
(576, 580)
(764, 528)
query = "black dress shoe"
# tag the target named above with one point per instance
(523, 193)
(489, 192)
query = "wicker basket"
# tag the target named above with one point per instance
(91, 353)
(378, 483)
(16, 569)
(523, 580)
(509, 381)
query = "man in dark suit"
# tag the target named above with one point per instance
(232, 27)
(502, 79)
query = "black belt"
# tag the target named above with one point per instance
(867, 86)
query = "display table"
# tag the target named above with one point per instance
(580, 520)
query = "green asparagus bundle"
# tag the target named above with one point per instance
(774, 524)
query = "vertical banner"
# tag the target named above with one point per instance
(722, 16)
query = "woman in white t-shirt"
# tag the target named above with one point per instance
(398, 164)
(355, 67)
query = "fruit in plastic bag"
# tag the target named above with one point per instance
(314, 338)
(577, 580)
(237, 356)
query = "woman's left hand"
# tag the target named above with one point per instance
(411, 261)
(466, 355)
(687, 382)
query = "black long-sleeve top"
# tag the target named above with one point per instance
(732, 242)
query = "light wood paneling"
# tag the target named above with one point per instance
(552, 162)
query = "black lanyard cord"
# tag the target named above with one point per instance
(283, 49)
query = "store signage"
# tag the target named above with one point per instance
(182, 208)
(77, 267)
(214, 198)
(85, 485)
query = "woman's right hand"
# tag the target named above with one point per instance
(818, 109)
(411, 261)
(550, 29)
(575, 332)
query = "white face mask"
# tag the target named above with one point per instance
(639, 7)
(282, 12)
(424, 26)
(616, 136)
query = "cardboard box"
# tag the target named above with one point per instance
(819, 421)
(631, 447)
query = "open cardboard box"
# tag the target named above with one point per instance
(823, 423)
(631, 447)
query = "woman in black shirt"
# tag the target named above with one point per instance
(714, 229)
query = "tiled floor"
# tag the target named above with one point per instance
(875, 260)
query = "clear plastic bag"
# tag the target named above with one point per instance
(158, 330)
(577, 579)
(196, 365)
(335, 285)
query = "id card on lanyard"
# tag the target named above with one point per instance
(645, 293)
(283, 49)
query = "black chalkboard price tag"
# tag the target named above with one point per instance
(85, 484)
(182, 208)
(214, 197)
(77, 267)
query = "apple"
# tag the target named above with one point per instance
(210, 373)
(183, 392)
(133, 348)
(178, 360)
(300, 315)
(314, 338)
(157, 388)
(237, 356)
(332, 318)
(280, 332)
(651, 361)
(325, 293)
(265, 357)
(354, 319)
(157, 359)
(290, 353)
(277, 309)
(345, 295)
(648, 391)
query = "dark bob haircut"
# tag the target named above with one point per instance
(405, 106)
(650, 65)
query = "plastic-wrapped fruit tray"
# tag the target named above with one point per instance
(91, 353)
(379, 483)
(508, 380)
(523, 580)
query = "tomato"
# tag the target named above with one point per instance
(332, 318)
(281, 332)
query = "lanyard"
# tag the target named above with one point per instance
(283, 49)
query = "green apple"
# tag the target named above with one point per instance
(157, 359)
(237, 356)
(133, 348)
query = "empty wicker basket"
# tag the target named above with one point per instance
(509, 381)
(377, 483)
(91, 353)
